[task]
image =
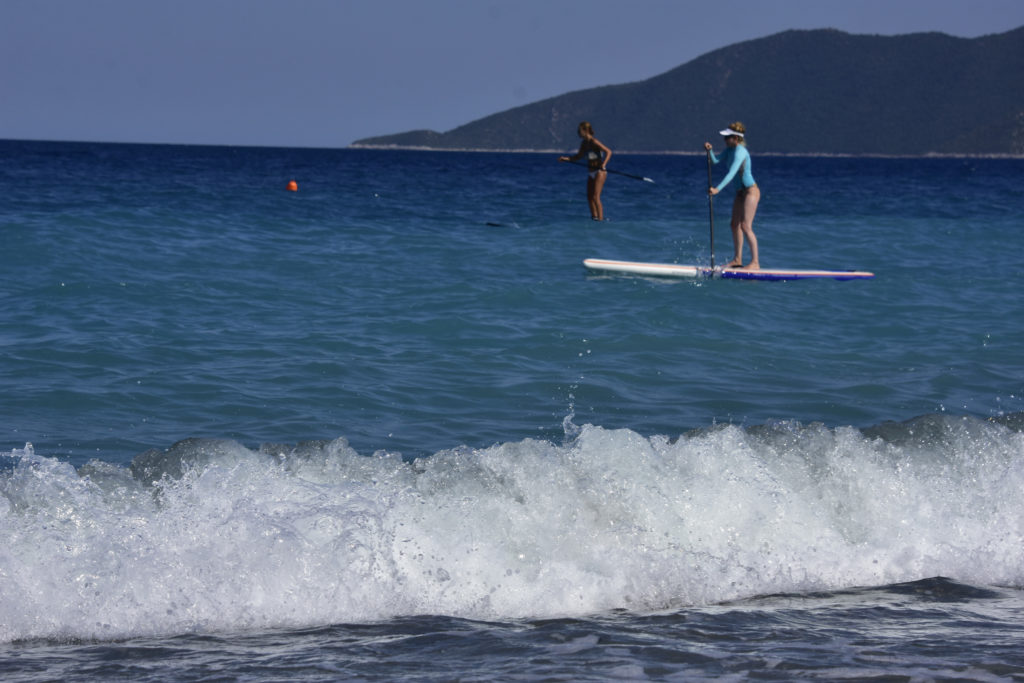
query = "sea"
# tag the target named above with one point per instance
(388, 427)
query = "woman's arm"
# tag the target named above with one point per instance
(605, 149)
(711, 153)
(579, 153)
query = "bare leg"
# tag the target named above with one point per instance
(737, 233)
(594, 187)
(749, 208)
(590, 198)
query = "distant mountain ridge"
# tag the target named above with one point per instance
(799, 92)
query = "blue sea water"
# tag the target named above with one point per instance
(388, 427)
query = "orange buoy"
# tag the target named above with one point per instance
(293, 186)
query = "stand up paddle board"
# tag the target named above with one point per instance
(685, 271)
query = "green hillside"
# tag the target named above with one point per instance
(821, 91)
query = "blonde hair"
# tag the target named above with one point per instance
(586, 128)
(741, 129)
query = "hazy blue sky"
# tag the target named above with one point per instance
(326, 72)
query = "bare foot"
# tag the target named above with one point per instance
(753, 265)
(733, 264)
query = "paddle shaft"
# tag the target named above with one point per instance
(612, 170)
(711, 212)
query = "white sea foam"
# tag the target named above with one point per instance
(229, 538)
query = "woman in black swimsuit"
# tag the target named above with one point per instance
(597, 160)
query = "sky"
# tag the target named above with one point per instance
(324, 73)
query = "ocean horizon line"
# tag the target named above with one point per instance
(512, 150)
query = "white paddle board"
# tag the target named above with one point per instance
(687, 271)
(638, 268)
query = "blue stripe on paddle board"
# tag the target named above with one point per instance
(778, 274)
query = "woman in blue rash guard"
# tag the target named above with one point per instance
(744, 206)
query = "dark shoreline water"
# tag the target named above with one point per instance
(820, 637)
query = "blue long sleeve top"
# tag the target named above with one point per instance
(737, 158)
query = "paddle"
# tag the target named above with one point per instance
(612, 170)
(711, 212)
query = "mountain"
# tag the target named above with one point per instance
(798, 92)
